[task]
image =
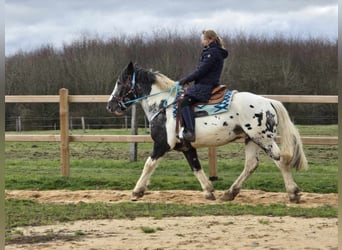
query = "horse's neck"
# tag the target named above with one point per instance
(160, 92)
(154, 102)
(163, 82)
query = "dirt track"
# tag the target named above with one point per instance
(171, 196)
(207, 232)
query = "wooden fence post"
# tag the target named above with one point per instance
(64, 130)
(133, 151)
(18, 124)
(212, 163)
(83, 124)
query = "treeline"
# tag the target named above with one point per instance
(91, 65)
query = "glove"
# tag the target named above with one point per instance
(182, 81)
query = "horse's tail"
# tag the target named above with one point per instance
(291, 143)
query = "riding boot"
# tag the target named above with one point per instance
(189, 122)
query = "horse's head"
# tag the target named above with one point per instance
(124, 91)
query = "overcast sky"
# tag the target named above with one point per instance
(32, 23)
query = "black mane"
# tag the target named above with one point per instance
(144, 80)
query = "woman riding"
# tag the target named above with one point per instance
(206, 77)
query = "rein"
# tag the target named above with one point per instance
(136, 99)
(165, 104)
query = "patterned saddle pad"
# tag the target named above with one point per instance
(211, 109)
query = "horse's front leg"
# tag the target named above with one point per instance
(141, 185)
(191, 156)
(160, 147)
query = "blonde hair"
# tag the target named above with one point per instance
(211, 34)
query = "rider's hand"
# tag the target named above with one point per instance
(182, 82)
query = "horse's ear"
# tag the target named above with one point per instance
(130, 68)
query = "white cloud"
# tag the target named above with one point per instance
(32, 23)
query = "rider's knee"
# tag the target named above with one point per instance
(188, 101)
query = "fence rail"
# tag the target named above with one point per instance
(311, 140)
(64, 138)
(104, 98)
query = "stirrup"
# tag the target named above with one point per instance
(183, 135)
(189, 136)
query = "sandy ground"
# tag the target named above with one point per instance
(208, 232)
(171, 196)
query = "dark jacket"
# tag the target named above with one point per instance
(208, 72)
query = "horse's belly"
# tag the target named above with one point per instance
(211, 140)
(214, 131)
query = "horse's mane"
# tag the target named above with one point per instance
(154, 77)
(163, 81)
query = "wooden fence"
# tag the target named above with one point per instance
(64, 138)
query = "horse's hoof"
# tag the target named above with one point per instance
(228, 196)
(134, 198)
(294, 198)
(210, 196)
(136, 195)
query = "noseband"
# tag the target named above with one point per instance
(119, 99)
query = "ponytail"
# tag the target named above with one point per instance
(219, 42)
(210, 34)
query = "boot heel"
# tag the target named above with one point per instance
(188, 136)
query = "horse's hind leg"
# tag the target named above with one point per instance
(281, 161)
(292, 189)
(251, 163)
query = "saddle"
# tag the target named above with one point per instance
(217, 96)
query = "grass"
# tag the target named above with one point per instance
(318, 130)
(150, 230)
(31, 213)
(264, 222)
(33, 165)
(37, 166)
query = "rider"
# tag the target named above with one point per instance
(206, 77)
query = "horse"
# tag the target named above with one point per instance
(254, 118)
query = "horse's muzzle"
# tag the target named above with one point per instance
(117, 108)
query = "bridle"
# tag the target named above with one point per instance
(131, 90)
(130, 86)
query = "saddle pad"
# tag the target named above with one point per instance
(211, 109)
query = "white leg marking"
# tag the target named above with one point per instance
(205, 184)
(150, 166)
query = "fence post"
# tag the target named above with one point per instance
(212, 163)
(133, 151)
(18, 124)
(83, 124)
(64, 130)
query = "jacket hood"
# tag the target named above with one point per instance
(222, 51)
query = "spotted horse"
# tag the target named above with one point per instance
(254, 118)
